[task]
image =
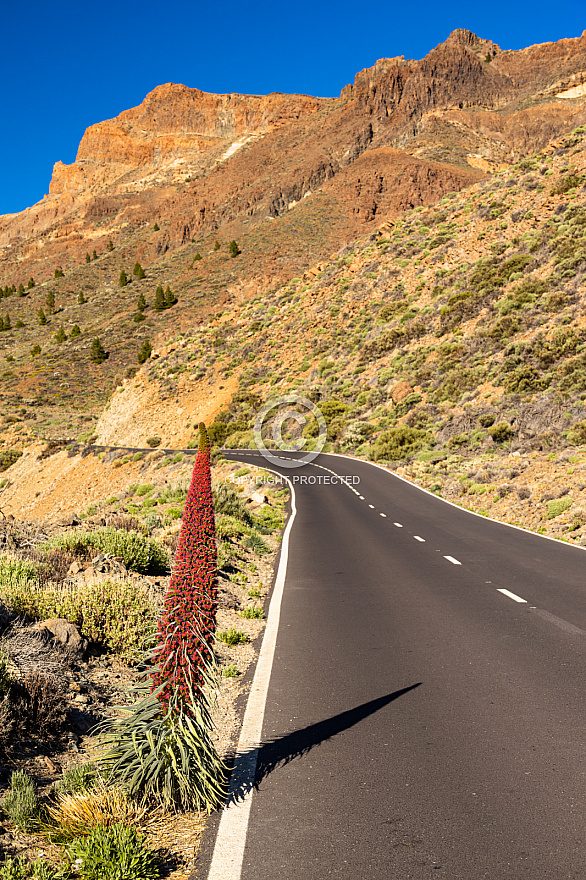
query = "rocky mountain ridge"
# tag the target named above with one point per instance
(201, 164)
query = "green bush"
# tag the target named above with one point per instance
(232, 637)
(566, 183)
(118, 615)
(399, 442)
(153, 442)
(227, 501)
(577, 434)
(257, 545)
(144, 488)
(501, 432)
(16, 572)
(115, 853)
(252, 613)
(77, 779)
(21, 804)
(138, 552)
(558, 506)
(22, 869)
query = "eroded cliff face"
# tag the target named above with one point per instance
(174, 124)
(404, 133)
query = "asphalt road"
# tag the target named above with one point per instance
(419, 722)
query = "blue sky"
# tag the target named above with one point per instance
(65, 65)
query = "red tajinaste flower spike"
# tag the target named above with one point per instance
(188, 621)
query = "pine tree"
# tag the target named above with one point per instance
(81, 298)
(19, 324)
(156, 227)
(197, 257)
(234, 249)
(141, 303)
(110, 246)
(21, 290)
(97, 352)
(138, 271)
(50, 302)
(59, 273)
(75, 331)
(170, 298)
(7, 324)
(1, 323)
(217, 245)
(144, 352)
(88, 258)
(60, 335)
(94, 256)
(123, 279)
(31, 283)
(42, 317)
(159, 299)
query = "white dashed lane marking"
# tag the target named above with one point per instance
(399, 526)
(371, 506)
(513, 596)
(417, 538)
(384, 514)
(452, 560)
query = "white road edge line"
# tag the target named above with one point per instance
(228, 853)
(512, 596)
(452, 560)
(451, 503)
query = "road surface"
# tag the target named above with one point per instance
(425, 715)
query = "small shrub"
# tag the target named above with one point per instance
(399, 442)
(144, 488)
(8, 457)
(234, 249)
(231, 671)
(232, 637)
(78, 779)
(21, 804)
(257, 545)
(153, 442)
(501, 432)
(254, 594)
(139, 553)
(227, 501)
(116, 853)
(22, 869)
(94, 804)
(577, 434)
(558, 506)
(75, 331)
(252, 613)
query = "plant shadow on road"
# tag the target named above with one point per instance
(284, 749)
